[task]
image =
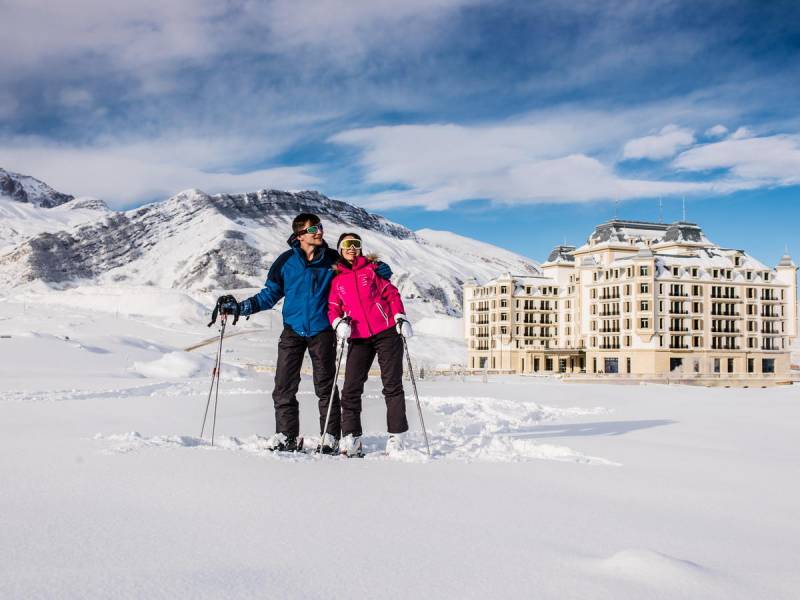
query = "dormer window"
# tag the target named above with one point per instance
(737, 261)
(675, 271)
(695, 271)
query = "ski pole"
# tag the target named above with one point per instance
(215, 378)
(416, 395)
(333, 391)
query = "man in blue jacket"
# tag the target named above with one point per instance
(302, 276)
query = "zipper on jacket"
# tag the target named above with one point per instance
(358, 294)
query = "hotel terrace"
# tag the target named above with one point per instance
(638, 299)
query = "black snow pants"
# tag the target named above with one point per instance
(388, 345)
(291, 349)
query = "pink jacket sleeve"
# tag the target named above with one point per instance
(392, 295)
(335, 304)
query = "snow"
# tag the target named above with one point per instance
(19, 220)
(179, 365)
(536, 487)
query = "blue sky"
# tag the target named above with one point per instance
(518, 123)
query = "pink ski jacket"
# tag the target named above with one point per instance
(371, 302)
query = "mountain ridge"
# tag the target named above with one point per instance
(207, 243)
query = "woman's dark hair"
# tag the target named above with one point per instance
(346, 235)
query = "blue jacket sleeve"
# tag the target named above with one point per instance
(272, 291)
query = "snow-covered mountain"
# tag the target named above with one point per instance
(200, 242)
(29, 207)
(27, 189)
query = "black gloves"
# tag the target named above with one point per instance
(226, 305)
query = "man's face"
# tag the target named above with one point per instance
(313, 237)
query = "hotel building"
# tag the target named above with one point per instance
(637, 298)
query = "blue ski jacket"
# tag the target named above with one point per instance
(305, 286)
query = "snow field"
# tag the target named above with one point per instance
(537, 488)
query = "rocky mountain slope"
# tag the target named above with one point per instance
(196, 241)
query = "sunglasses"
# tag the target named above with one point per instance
(351, 244)
(312, 230)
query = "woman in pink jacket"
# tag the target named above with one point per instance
(368, 311)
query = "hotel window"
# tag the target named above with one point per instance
(503, 289)
(644, 323)
(643, 271)
(644, 305)
(715, 273)
(503, 303)
(644, 288)
(594, 293)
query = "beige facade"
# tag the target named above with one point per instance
(638, 298)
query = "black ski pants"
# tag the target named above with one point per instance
(388, 345)
(291, 350)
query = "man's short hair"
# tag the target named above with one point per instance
(300, 221)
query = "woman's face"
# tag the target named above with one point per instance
(349, 248)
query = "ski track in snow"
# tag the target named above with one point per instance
(470, 429)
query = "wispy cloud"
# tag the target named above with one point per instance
(662, 145)
(716, 131)
(424, 95)
(546, 156)
(127, 173)
(770, 160)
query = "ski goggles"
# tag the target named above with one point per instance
(350, 243)
(312, 230)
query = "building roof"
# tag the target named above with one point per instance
(646, 232)
(562, 254)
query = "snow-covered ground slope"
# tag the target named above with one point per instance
(536, 488)
(194, 241)
(19, 221)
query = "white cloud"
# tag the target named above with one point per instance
(741, 133)
(716, 131)
(124, 173)
(662, 145)
(155, 40)
(75, 98)
(541, 159)
(8, 105)
(769, 160)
